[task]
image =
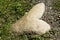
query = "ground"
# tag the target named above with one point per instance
(12, 10)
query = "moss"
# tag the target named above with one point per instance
(10, 11)
(56, 5)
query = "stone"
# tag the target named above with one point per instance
(31, 21)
